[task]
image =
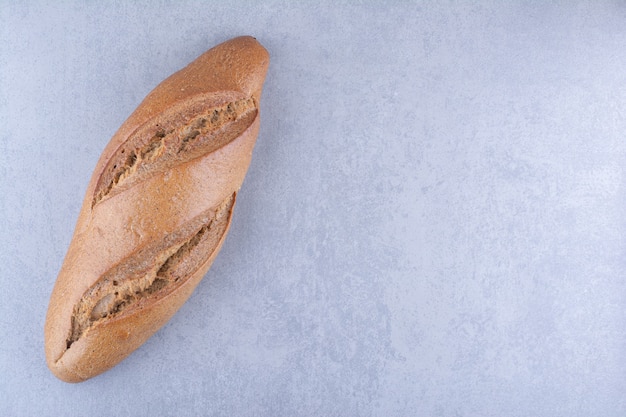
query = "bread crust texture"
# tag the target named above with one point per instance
(157, 210)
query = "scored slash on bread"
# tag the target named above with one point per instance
(154, 269)
(156, 211)
(177, 136)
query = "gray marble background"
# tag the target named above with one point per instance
(433, 223)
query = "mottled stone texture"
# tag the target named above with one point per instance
(433, 223)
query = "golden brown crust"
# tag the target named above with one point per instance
(175, 185)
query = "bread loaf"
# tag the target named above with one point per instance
(156, 211)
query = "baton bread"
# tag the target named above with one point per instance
(156, 211)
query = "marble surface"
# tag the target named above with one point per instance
(433, 223)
